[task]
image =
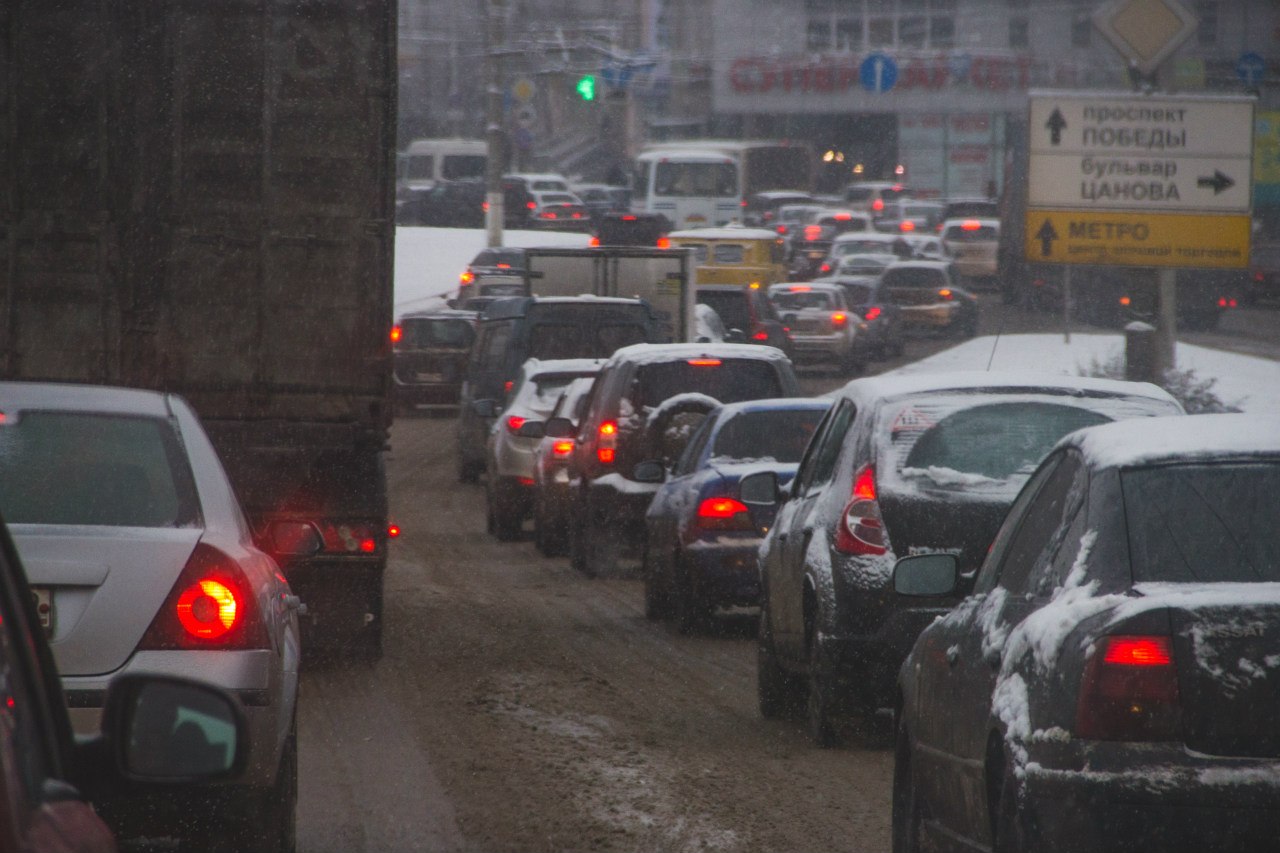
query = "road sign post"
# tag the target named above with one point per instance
(1155, 181)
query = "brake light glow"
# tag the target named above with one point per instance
(970, 225)
(724, 514)
(861, 527)
(705, 362)
(906, 225)
(843, 217)
(878, 204)
(664, 243)
(561, 449)
(761, 335)
(1124, 300)
(508, 385)
(945, 294)
(812, 232)
(628, 217)
(531, 204)
(393, 531)
(872, 313)
(1129, 690)
(839, 318)
(207, 609)
(467, 277)
(396, 334)
(781, 229)
(594, 242)
(607, 443)
(825, 268)
(800, 288)
(515, 422)
(548, 214)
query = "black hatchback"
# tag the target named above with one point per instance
(1113, 682)
(901, 465)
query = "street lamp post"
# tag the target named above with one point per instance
(496, 11)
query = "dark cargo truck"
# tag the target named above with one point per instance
(199, 198)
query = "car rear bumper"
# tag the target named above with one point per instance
(865, 667)
(724, 572)
(620, 510)
(1155, 808)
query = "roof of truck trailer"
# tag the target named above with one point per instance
(517, 306)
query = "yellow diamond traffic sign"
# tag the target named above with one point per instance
(1137, 239)
(1146, 31)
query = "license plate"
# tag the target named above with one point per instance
(813, 256)
(430, 377)
(44, 607)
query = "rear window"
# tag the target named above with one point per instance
(586, 339)
(423, 333)
(542, 393)
(463, 166)
(858, 294)
(914, 277)
(513, 258)
(75, 468)
(785, 301)
(961, 234)
(989, 447)
(779, 436)
(559, 198)
(862, 246)
(1204, 522)
(548, 185)
(732, 380)
(640, 231)
(731, 306)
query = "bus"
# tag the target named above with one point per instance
(707, 182)
(426, 161)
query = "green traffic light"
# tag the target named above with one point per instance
(587, 88)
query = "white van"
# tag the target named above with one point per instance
(426, 161)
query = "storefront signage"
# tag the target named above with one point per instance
(832, 75)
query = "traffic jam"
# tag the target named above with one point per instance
(667, 488)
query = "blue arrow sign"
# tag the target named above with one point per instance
(1250, 67)
(878, 73)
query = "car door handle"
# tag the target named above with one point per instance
(953, 655)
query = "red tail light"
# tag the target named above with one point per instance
(970, 225)
(839, 318)
(1222, 302)
(824, 269)
(515, 422)
(484, 205)
(607, 445)
(467, 277)
(531, 204)
(781, 229)
(1129, 691)
(724, 514)
(878, 204)
(705, 362)
(628, 217)
(946, 294)
(210, 607)
(396, 334)
(872, 313)
(1124, 300)
(508, 385)
(548, 214)
(760, 335)
(393, 531)
(354, 537)
(562, 449)
(799, 288)
(812, 232)
(861, 527)
(594, 242)
(1231, 303)
(906, 225)
(664, 243)
(843, 217)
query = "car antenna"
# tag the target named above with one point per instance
(995, 343)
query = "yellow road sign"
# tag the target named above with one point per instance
(1137, 239)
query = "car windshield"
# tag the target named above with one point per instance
(75, 468)
(1214, 522)
(730, 380)
(800, 300)
(695, 179)
(550, 340)
(780, 436)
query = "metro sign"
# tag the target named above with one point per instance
(1146, 32)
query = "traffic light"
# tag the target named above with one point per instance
(587, 87)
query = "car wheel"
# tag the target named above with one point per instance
(906, 814)
(504, 522)
(656, 606)
(1009, 823)
(819, 704)
(779, 693)
(691, 612)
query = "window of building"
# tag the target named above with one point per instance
(848, 33)
(880, 32)
(1018, 32)
(912, 30)
(942, 32)
(818, 36)
(852, 25)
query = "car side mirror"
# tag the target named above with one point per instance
(926, 575)
(532, 429)
(171, 730)
(559, 428)
(294, 539)
(650, 471)
(485, 408)
(735, 336)
(760, 489)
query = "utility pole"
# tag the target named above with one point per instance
(496, 11)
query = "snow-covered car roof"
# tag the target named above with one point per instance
(17, 396)
(659, 353)
(805, 287)
(1128, 443)
(536, 366)
(983, 222)
(901, 385)
(872, 236)
(730, 410)
(726, 232)
(920, 263)
(442, 313)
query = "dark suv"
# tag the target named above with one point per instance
(429, 357)
(747, 313)
(901, 465)
(510, 331)
(638, 412)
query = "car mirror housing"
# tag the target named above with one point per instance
(532, 429)
(760, 489)
(650, 471)
(735, 336)
(165, 729)
(485, 408)
(559, 428)
(926, 575)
